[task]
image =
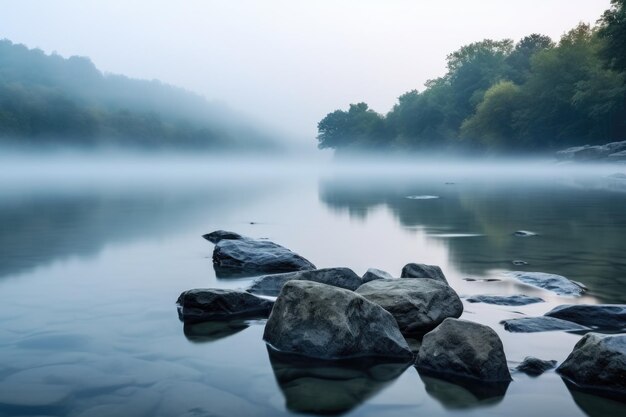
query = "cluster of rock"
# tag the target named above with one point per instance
(611, 152)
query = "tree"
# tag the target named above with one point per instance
(612, 29)
(519, 61)
(360, 126)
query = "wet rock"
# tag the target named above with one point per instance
(551, 282)
(609, 152)
(338, 277)
(517, 262)
(599, 316)
(524, 233)
(374, 274)
(418, 305)
(469, 279)
(199, 305)
(465, 349)
(534, 366)
(540, 324)
(505, 300)
(598, 363)
(423, 271)
(322, 321)
(235, 256)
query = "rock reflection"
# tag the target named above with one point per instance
(596, 406)
(330, 387)
(463, 393)
(211, 331)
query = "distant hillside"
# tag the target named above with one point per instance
(50, 100)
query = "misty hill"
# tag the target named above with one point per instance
(50, 100)
(499, 96)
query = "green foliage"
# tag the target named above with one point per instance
(358, 127)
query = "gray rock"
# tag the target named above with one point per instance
(534, 366)
(598, 362)
(540, 324)
(551, 282)
(236, 256)
(418, 305)
(423, 271)
(374, 274)
(592, 153)
(466, 349)
(600, 316)
(199, 305)
(524, 233)
(322, 321)
(337, 277)
(617, 156)
(505, 300)
(518, 262)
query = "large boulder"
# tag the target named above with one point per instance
(235, 255)
(598, 363)
(418, 305)
(338, 277)
(600, 316)
(465, 349)
(423, 271)
(211, 304)
(540, 324)
(373, 274)
(551, 282)
(327, 322)
(505, 300)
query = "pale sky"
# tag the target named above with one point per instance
(285, 62)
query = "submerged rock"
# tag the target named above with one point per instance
(199, 305)
(518, 262)
(524, 233)
(598, 363)
(505, 300)
(540, 324)
(374, 274)
(551, 282)
(321, 321)
(338, 277)
(534, 366)
(418, 305)
(466, 349)
(423, 271)
(599, 316)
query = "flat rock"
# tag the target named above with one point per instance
(540, 324)
(524, 233)
(534, 366)
(322, 321)
(374, 274)
(599, 316)
(465, 349)
(413, 270)
(598, 363)
(505, 300)
(555, 283)
(199, 305)
(338, 277)
(418, 305)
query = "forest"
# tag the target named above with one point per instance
(499, 96)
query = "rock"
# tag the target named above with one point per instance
(418, 305)
(534, 366)
(465, 349)
(540, 324)
(322, 321)
(517, 262)
(599, 316)
(374, 274)
(423, 271)
(598, 363)
(236, 256)
(592, 153)
(219, 304)
(337, 277)
(505, 300)
(524, 233)
(551, 282)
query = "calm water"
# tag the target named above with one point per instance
(91, 265)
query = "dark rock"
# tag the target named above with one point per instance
(218, 304)
(505, 300)
(534, 366)
(418, 305)
(465, 349)
(322, 321)
(218, 235)
(524, 233)
(337, 277)
(468, 279)
(374, 274)
(540, 324)
(519, 263)
(551, 282)
(598, 363)
(423, 271)
(599, 316)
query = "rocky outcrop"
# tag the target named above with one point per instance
(322, 321)
(610, 317)
(540, 324)
(199, 305)
(465, 349)
(505, 300)
(534, 366)
(418, 305)
(373, 274)
(609, 152)
(338, 277)
(423, 271)
(551, 282)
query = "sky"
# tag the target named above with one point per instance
(286, 63)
